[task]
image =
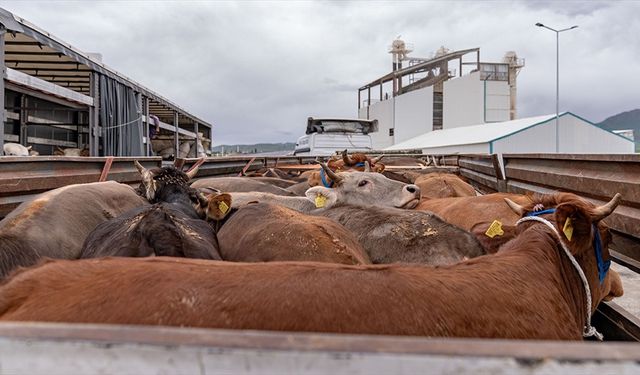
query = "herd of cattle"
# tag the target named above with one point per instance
(346, 248)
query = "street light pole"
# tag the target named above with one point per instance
(557, 78)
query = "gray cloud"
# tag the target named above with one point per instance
(257, 70)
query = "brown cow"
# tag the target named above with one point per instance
(55, 224)
(528, 290)
(263, 232)
(443, 185)
(466, 212)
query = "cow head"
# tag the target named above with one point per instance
(585, 235)
(156, 179)
(363, 188)
(348, 163)
(218, 206)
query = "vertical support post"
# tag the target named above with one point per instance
(477, 62)
(176, 135)
(145, 129)
(94, 115)
(22, 139)
(196, 130)
(381, 83)
(368, 100)
(557, 91)
(359, 100)
(145, 113)
(4, 74)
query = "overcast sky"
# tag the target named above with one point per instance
(257, 69)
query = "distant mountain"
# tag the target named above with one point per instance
(623, 121)
(255, 148)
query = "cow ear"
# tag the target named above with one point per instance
(492, 236)
(613, 285)
(574, 225)
(29, 148)
(321, 196)
(218, 206)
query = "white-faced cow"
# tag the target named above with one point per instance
(15, 149)
(171, 226)
(354, 188)
(56, 223)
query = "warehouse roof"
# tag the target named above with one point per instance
(482, 133)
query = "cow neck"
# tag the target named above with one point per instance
(589, 330)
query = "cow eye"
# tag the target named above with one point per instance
(362, 183)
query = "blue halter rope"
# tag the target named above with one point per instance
(323, 177)
(603, 266)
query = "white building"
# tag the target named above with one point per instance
(445, 91)
(526, 135)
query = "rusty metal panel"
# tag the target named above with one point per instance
(483, 171)
(221, 166)
(595, 177)
(21, 178)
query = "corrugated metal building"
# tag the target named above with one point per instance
(526, 135)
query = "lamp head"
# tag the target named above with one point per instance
(541, 25)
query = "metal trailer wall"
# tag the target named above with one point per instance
(54, 348)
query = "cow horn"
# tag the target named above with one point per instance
(336, 179)
(367, 166)
(191, 173)
(346, 158)
(515, 207)
(601, 212)
(376, 159)
(140, 168)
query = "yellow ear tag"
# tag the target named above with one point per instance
(223, 207)
(568, 229)
(495, 229)
(320, 200)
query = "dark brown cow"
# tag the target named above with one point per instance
(391, 235)
(443, 185)
(528, 290)
(55, 224)
(262, 232)
(172, 226)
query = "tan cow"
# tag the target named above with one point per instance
(263, 232)
(528, 290)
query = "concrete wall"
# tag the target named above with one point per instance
(464, 101)
(576, 137)
(497, 101)
(383, 111)
(413, 114)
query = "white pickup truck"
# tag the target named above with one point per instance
(324, 136)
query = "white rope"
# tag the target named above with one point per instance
(589, 330)
(121, 125)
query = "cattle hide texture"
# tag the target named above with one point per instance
(528, 290)
(172, 226)
(262, 232)
(56, 223)
(391, 235)
(443, 185)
